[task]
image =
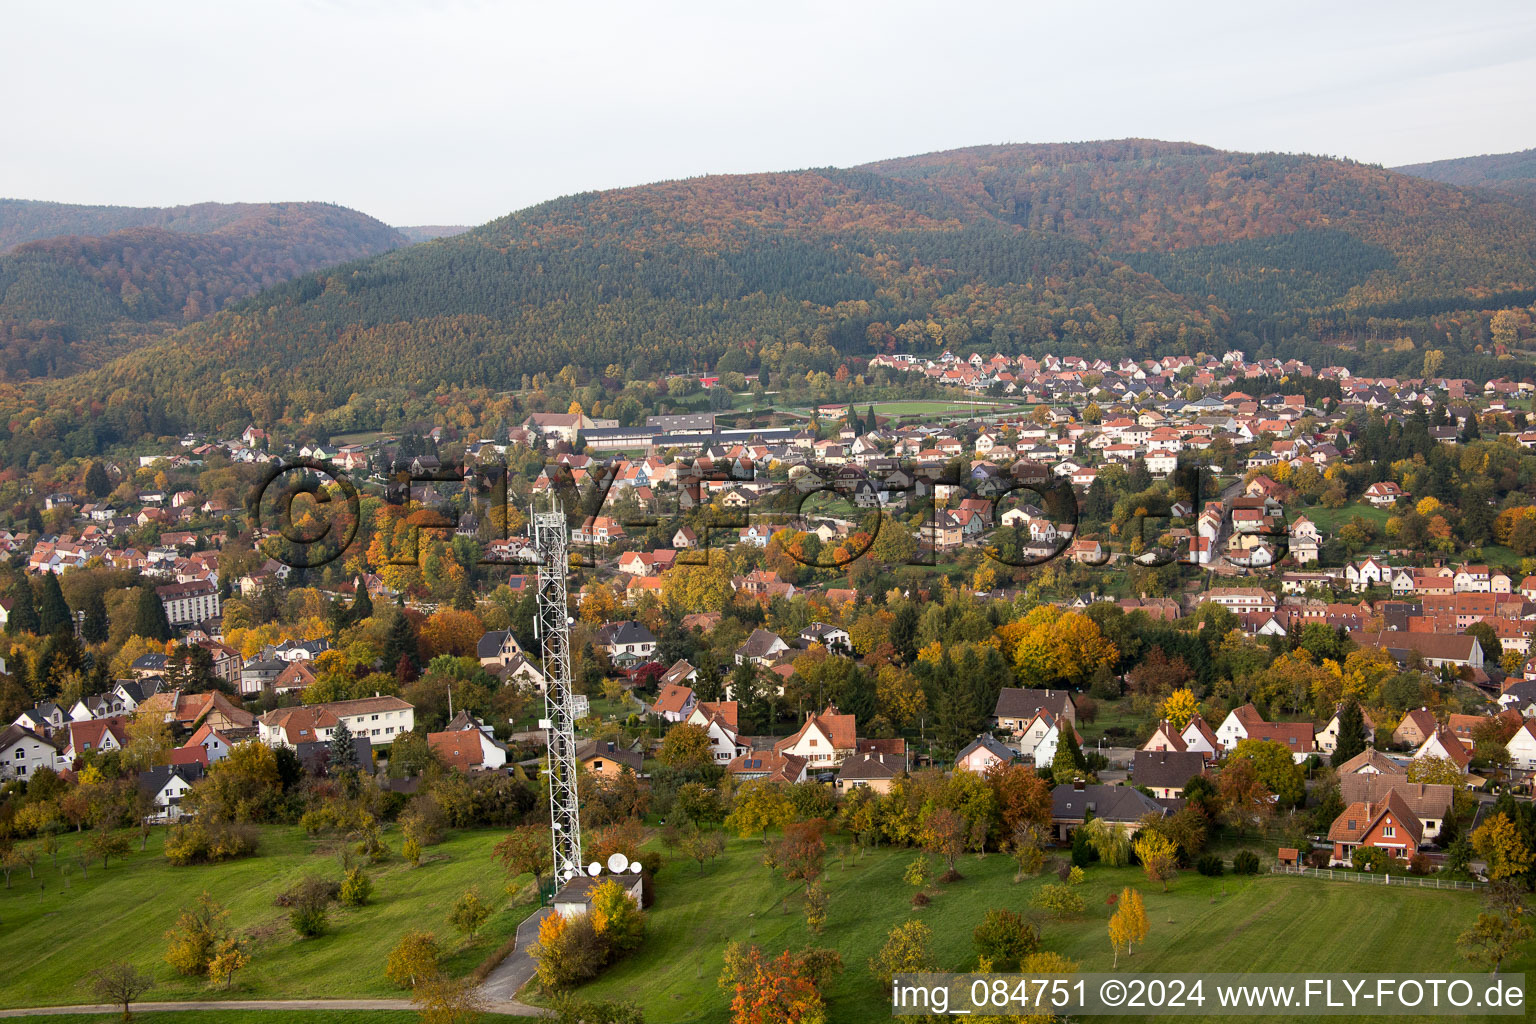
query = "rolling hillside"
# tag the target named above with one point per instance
(1510, 174)
(1270, 232)
(1115, 248)
(79, 283)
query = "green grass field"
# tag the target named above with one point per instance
(52, 937)
(50, 941)
(1112, 713)
(1262, 923)
(1329, 520)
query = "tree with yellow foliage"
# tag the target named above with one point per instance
(1050, 647)
(1158, 855)
(598, 604)
(1179, 707)
(1128, 924)
(899, 695)
(1499, 843)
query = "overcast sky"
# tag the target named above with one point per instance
(457, 111)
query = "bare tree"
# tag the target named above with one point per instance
(120, 982)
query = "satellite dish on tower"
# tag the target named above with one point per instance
(636, 868)
(594, 869)
(618, 863)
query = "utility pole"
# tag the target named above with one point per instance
(552, 626)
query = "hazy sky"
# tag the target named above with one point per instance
(458, 111)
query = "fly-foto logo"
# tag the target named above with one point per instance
(1025, 517)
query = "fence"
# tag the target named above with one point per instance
(1368, 878)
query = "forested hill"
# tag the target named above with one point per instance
(1269, 232)
(1119, 248)
(1512, 174)
(78, 283)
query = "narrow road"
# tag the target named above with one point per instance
(500, 988)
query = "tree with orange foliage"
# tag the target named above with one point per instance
(451, 632)
(1022, 795)
(799, 854)
(781, 989)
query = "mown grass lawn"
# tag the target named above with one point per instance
(53, 936)
(1266, 923)
(1260, 923)
(1330, 520)
(1112, 713)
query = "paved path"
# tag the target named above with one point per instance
(500, 988)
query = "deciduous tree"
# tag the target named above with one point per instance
(1128, 924)
(120, 982)
(414, 959)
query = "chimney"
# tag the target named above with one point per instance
(1077, 785)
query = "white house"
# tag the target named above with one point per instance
(1327, 739)
(1521, 747)
(1044, 751)
(718, 720)
(1236, 726)
(166, 785)
(23, 752)
(214, 743)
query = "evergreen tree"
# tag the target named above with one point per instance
(97, 484)
(954, 723)
(1471, 432)
(16, 662)
(1098, 506)
(53, 610)
(1068, 762)
(524, 614)
(904, 633)
(23, 617)
(362, 605)
(95, 628)
(870, 423)
(464, 597)
(343, 753)
(149, 619)
(400, 645)
(60, 658)
(1351, 740)
(34, 520)
(1082, 850)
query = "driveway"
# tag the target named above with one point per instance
(500, 988)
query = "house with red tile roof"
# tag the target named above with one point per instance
(674, 703)
(767, 764)
(718, 720)
(823, 739)
(468, 750)
(1416, 727)
(95, 735)
(1388, 824)
(1443, 743)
